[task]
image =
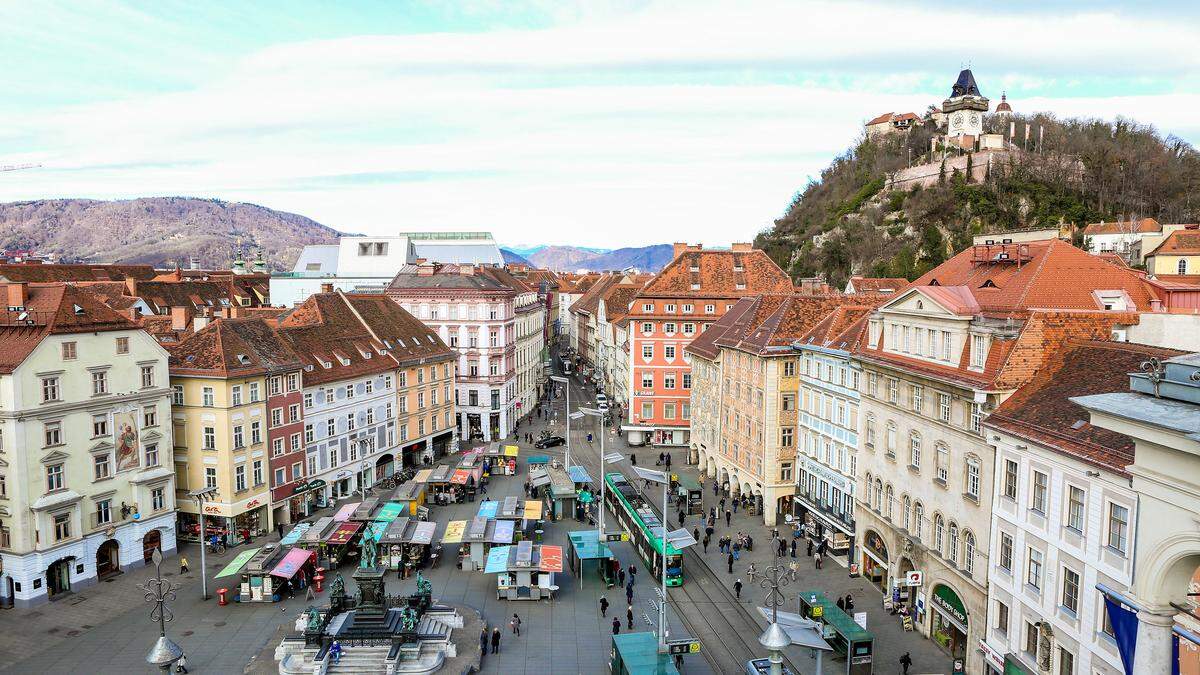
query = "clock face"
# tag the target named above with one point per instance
(958, 119)
(974, 119)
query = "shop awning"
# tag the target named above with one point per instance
(441, 474)
(376, 529)
(538, 459)
(237, 563)
(396, 532)
(316, 533)
(497, 560)
(389, 512)
(502, 533)
(291, 563)
(343, 533)
(511, 450)
(488, 507)
(424, 533)
(460, 477)
(524, 556)
(454, 532)
(423, 476)
(346, 512)
(294, 536)
(533, 509)
(551, 559)
(579, 474)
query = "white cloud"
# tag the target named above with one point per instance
(617, 129)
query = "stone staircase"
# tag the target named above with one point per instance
(360, 660)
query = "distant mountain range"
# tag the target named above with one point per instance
(573, 258)
(160, 231)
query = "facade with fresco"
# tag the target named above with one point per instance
(86, 485)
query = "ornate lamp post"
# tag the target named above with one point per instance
(774, 638)
(201, 496)
(566, 383)
(160, 591)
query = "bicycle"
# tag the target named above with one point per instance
(217, 547)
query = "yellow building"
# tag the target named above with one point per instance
(1178, 254)
(85, 450)
(220, 420)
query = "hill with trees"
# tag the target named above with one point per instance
(1071, 172)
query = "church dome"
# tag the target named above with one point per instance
(1004, 107)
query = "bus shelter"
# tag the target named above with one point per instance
(848, 639)
(688, 489)
(525, 571)
(588, 551)
(637, 654)
(405, 544)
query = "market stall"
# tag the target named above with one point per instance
(537, 462)
(467, 480)
(339, 544)
(439, 486)
(501, 460)
(256, 584)
(558, 491)
(346, 512)
(293, 536)
(410, 497)
(405, 545)
(316, 534)
(525, 571)
(365, 511)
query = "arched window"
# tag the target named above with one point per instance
(1182, 266)
(878, 494)
(918, 519)
(907, 513)
(914, 450)
(952, 545)
(889, 497)
(939, 532)
(968, 552)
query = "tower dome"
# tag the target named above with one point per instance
(1003, 107)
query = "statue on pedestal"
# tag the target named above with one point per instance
(424, 587)
(366, 551)
(337, 588)
(408, 619)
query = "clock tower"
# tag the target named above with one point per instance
(964, 109)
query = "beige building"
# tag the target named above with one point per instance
(86, 488)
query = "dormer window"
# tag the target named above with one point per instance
(243, 359)
(988, 284)
(1112, 301)
(737, 267)
(740, 287)
(694, 268)
(695, 287)
(978, 351)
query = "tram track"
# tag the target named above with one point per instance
(728, 632)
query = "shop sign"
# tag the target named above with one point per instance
(830, 476)
(914, 577)
(214, 509)
(818, 611)
(992, 656)
(948, 602)
(252, 503)
(874, 543)
(315, 484)
(683, 647)
(342, 474)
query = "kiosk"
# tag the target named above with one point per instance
(405, 544)
(688, 488)
(586, 547)
(256, 584)
(409, 497)
(438, 483)
(525, 571)
(313, 536)
(637, 654)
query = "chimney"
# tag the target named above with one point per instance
(679, 247)
(426, 270)
(466, 270)
(131, 286)
(16, 294)
(199, 323)
(327, 288)
(742, 246)
(179, 318)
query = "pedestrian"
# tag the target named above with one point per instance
(696, 533)
(668, 461)
(737, 589)
(603, 606)
(681, 517)
(793, 548)
(735, 505)
(782, 547)
(722, 503)
(279, 529)
(809, 553)
(495, 639)
(621, 575)
(817, 559)
(516, 624)
(632, 574)
(752, 571)
(181, 664)
(729, 561)
(705, 542)
(841, 603)
(708, 531)
(660, 459)
(483, 639)
(629, 593)
(823, 547)
(794, 569)
(849, 603)
(714, 488)
(905, 662)
(335, 650)
(728, 518)
(632, 458)
(616, 626)
(737, 549)
(183, 565)
(629, 617)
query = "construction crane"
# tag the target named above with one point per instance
(17, 167)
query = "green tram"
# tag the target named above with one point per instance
(644, 527)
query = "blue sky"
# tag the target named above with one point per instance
(602, 124)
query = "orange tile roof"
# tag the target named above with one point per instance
(1041, 411)
(770, 323)
(52, 309)
(1179, 242)
(66, 273)
(878, 284)
(233, 348)
(1143, 226)
(717, 277)
(1051, 274)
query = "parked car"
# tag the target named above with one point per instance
(763, 667)
(602, 402)
(549, 442)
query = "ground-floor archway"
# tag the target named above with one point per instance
(384, 466)
(948, 621)
(108, 558)
(875, 560)
(58, 577)
(152, 540)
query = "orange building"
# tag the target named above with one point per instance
(695, 289)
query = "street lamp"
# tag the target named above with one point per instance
(160, 591)
(680, 539)
(613, 457)
(201, 496)
(566, 382)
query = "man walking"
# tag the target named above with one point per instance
(516, 624)
(629, 617)
(616, 626)
(737, 589)
(483, 640)
(604, 607)
(621, 575)
(496, 640)
(729, 561)
(629, 593)
(905, 662)
(729, 516)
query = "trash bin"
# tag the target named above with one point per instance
(222, 600)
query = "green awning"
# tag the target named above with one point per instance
(238, 562)
(389, 512)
